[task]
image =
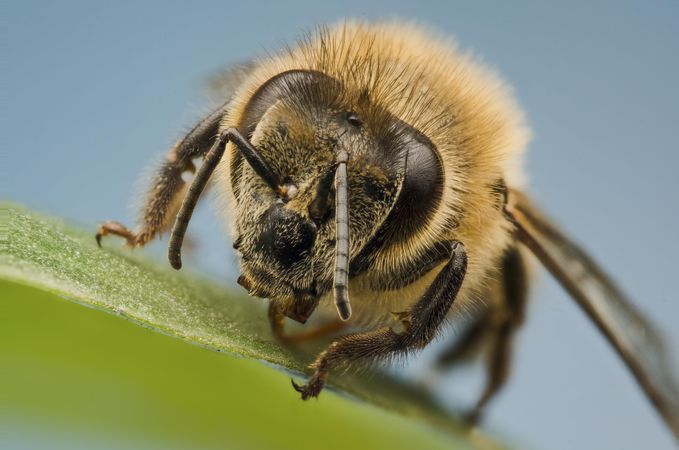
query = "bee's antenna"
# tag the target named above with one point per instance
(341, 290)
(256, 161)
(210, 162)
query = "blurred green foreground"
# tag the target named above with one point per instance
(76, 377)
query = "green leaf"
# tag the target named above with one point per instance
(65, 363)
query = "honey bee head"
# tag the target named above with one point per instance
(303, 123)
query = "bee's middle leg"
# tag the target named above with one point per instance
(467, 344)
(421, 323)
(277, 322)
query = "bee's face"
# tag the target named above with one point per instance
(287, 242)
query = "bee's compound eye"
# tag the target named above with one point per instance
(354, 120)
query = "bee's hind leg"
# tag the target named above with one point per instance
(498, 326)
(420, 325)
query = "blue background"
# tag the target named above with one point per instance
(94, 92)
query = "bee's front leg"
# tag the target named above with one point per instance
(421, 323)
(164, 197)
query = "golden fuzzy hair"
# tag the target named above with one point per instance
(419, 148)
(463, 108)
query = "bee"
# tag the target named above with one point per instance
(373, 171)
